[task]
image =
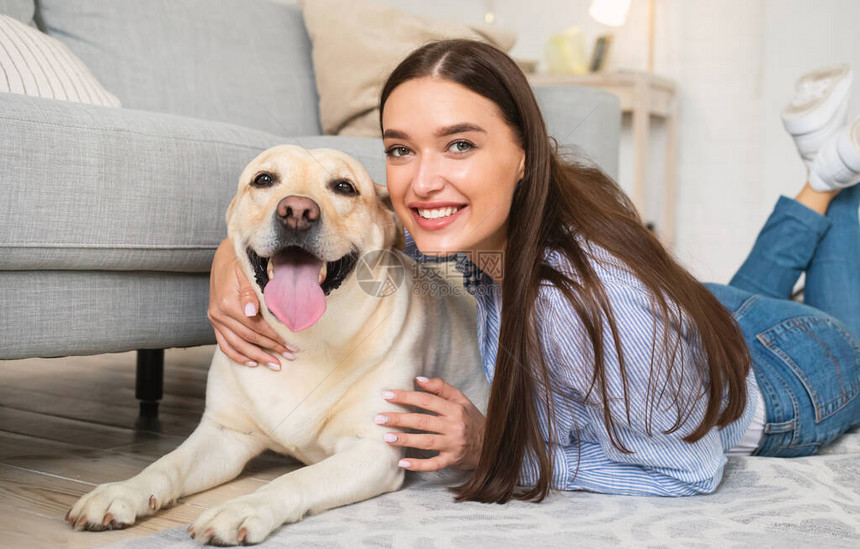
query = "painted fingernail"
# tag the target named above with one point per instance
(288, 356)
(389, 437)
(273, 366)
(250, 363)
(381, 420)
(250, 309)
(422, 379)
(387, 394)
(404, 463)
(291, 347)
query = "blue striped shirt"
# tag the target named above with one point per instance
(583, 455)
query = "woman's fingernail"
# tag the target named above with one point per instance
(289, 356)
(292, 348)
(381, 420)
(404, 463)
(387, 395)
(250, 363)
(250, 310)
(422, 379)
(273, 366)
(389, 437)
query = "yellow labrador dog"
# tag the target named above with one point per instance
(317, 236)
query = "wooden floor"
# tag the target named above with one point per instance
(68, 424)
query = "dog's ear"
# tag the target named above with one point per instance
(385, 201)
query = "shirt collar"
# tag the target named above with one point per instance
(473, 277)
(476, 281)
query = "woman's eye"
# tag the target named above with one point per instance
(458, 148)
(391, 151)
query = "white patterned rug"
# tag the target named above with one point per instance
(761, 502)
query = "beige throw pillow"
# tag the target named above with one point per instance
(356, 45)
(33, 63)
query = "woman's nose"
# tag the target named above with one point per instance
(428, 178)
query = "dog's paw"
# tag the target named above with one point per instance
(245, 520)
(110, 507)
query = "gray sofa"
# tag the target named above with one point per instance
(109, 218)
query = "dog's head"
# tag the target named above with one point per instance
(299, 222)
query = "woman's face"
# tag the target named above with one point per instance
(452, 164)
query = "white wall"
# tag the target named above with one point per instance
(735, 63)
(800, 36)
(738, 69)
(713, 51)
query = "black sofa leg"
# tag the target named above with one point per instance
(150, 381)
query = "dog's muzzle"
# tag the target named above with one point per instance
(294, 279)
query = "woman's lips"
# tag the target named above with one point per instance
(435, 224)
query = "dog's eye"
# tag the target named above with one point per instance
(263, 180)
(344, 187)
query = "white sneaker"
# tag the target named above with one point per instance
(818, 109)
(837, 164)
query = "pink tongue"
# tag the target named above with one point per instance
(294, 294)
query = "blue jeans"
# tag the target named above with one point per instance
(805, 356)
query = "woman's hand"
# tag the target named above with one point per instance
(457, 427)
(240, 330)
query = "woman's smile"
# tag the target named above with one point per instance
(435, 216)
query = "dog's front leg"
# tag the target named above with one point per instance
(359, 469)
(211, 456)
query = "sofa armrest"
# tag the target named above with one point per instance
(90, 187)
(586, 120)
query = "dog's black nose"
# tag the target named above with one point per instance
(298, 212)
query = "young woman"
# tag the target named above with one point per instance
(613, 370)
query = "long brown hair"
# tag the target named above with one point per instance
(556, 200)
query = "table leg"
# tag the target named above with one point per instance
(669, 214)
(641, 120)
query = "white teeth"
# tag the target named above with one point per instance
(270, 269)
(323, 272)
(437, 213)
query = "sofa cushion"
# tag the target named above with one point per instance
(585, 122)
(88, 187)
(356, 51)
(245, 62)
(22, 10)
(32, 63)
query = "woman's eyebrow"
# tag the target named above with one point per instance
(459, 128)
(441, 132)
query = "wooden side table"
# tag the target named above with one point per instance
(642, 94)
